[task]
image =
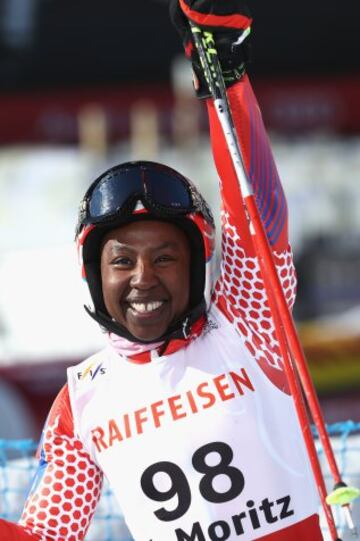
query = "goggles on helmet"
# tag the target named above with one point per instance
(161, 190)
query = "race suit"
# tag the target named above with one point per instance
(201, 443)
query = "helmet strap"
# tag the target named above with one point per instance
(181, 329)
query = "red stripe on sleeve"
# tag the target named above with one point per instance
(234, 20)
(14, 532)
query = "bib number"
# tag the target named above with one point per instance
(178, 485)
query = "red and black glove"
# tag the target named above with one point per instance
(227, 20)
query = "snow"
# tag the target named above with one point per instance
(41, 299)
(41, 293)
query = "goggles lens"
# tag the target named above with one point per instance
(112, 192)
(158, 189)
(167, 191)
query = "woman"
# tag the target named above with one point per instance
(187, 411)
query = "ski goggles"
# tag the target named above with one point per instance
(162, 191)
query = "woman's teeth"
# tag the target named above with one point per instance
(143, 307)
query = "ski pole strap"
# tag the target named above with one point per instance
(205, 46)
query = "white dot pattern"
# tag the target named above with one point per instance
(63, 504)
(240, 293)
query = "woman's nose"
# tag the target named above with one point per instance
(144, 276)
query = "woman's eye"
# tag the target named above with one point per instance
(124, 261)
(164, 258)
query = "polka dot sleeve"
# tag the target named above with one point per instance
(240, 292)
(67, 484)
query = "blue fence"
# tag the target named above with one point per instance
(17, 467)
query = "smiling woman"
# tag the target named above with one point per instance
(145, 234)
(145, 276)
(187, 410)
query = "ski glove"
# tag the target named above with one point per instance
(228, 20)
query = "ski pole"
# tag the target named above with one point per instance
(207, 52)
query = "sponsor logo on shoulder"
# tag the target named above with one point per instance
(91, 372)
(209, 326)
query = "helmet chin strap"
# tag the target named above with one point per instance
(180, 329)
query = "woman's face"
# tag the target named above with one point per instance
(145, 271)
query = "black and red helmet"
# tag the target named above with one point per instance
(144, 190)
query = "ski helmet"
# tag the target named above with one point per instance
(144, 190)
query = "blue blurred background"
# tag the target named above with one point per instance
(86, 84)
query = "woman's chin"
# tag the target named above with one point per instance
(148, 327)
(146, 333)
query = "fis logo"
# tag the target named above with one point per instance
(91, 372)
